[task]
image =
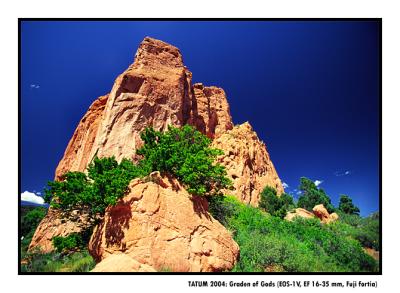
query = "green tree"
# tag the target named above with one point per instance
(274, 204)
(186, 154)
(106, 182)
(312, 196)
(346, 205)
(31, 219)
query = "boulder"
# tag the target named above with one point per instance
(299, 212)
(319, 212)
(160, 225)
(121, 263)
(322, 213)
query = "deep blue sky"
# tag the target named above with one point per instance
(309, 89)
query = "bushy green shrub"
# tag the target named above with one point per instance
(30, 219)
(186, 154)
(311, 196)
(273, 204)
(106, 182)
(299, 246)
(365, 230)
(71, 242)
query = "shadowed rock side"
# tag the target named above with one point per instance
(248, 163)
(159, 225)
(76, 156)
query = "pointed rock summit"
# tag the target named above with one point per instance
(149, 231)
(156, 90)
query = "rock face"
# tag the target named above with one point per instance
(156, 90)
(248, 163)
(76, 156)
(319, 212)
(159, 225)
(56, 224)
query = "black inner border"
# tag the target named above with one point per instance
(378, 20)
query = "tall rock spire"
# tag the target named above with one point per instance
(157, 91)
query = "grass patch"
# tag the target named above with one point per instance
(80, 261)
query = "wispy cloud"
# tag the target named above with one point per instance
(318, 182)
(34, 86)
(285, 185)
(31, 197)
(298, 192)
(343, 173)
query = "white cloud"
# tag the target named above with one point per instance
(285, 185)
(298, 192)
(318, 182)
(34, 86)
(341, 173)
(31, 197)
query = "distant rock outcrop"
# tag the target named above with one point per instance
(157, 91)
(299, 212)
(319, 212)
(160, 225)
(322, 213)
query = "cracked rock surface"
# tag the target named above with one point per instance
(159, 225)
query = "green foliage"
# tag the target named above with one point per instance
(273, 204)
(183, 152)
(186, 154)
(79, 261)
(268, 242)
(30, 219)
(312, 196)
(365, 230)
(346, 205)
(106, 182)
(71, 242)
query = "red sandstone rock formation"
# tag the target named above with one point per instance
(160, 225)
(156, 90)
(248, 163)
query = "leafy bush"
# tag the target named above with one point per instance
(71, 242)
(365, 230)
(30, 219)
(300, 246)
(106, 182)
(186, 154)
(346, 206)
(273, 204)
(312, 196)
